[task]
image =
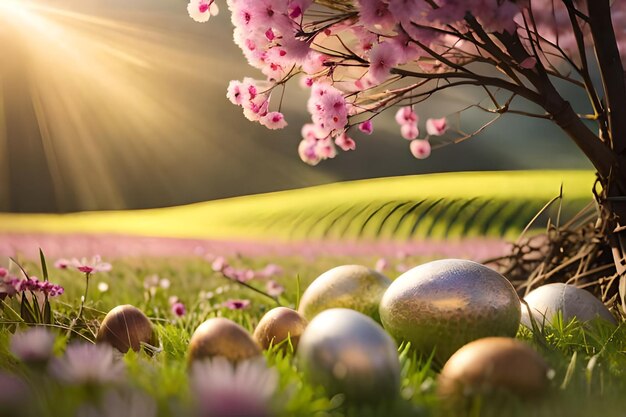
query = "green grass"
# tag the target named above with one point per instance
(436, 206)
(589, 362)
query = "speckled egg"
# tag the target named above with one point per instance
(221, 337)
(348, 286)
(126, 327)
(546, 301)
(277, 325)
(443, 305)
(349, 353)
(492, 365)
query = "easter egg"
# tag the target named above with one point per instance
(126, 327)
(221, 337)
(349, 353)
(277, 325)
(348, 286)
(547, 301)
(492, 365)
(442, 305)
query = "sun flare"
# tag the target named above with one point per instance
(86, 92)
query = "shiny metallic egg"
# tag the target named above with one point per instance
(443, 305)
(492, 365)
(126, 327)
(279, 324)
(348, 352)
(221, 337)
(547, 301)
(348, 286)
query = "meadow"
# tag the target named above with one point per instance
(587, 361)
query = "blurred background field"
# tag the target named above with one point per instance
(456, 214)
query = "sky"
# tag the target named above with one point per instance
(121, 104)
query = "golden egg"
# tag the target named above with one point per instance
(442, 305)
(349, 353)
(493, 365)
(126, 327)
(547, 301)
(279, 324)
(221, 337)
(348, 286)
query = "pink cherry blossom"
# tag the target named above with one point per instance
(420, 148)
(202, 10)
(436, 127)
(409, 131)
(383, 57)
(273, 120)
(345, 142)
(366, 127)
(406, 115)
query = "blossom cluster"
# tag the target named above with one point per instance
(356, 56)
(10, 285)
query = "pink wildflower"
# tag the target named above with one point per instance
(223, 389)
(62, 263)
(178, 309)
(381, 265)
(33, 345)
(91, 266)
(235, 304)
(273, 288)
(85, 363)
(219, 264)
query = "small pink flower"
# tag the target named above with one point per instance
(223, 389)
(273, 120)
(62, 263)
(366, 127)
(409, 131)
(345, 142)
(420, 148)
(178, 309)
(91, 266)
(202, 10)
(33, 346)
(406, 115)
(436, 127)
(381, 265)
(270, 270)
(3, 272)
(219, 264)
(234, 304)
(273, 288)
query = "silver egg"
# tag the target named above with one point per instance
(442, 305)
(348, 286)
(349, 353)
(546, 301)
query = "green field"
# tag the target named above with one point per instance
(435, 205)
